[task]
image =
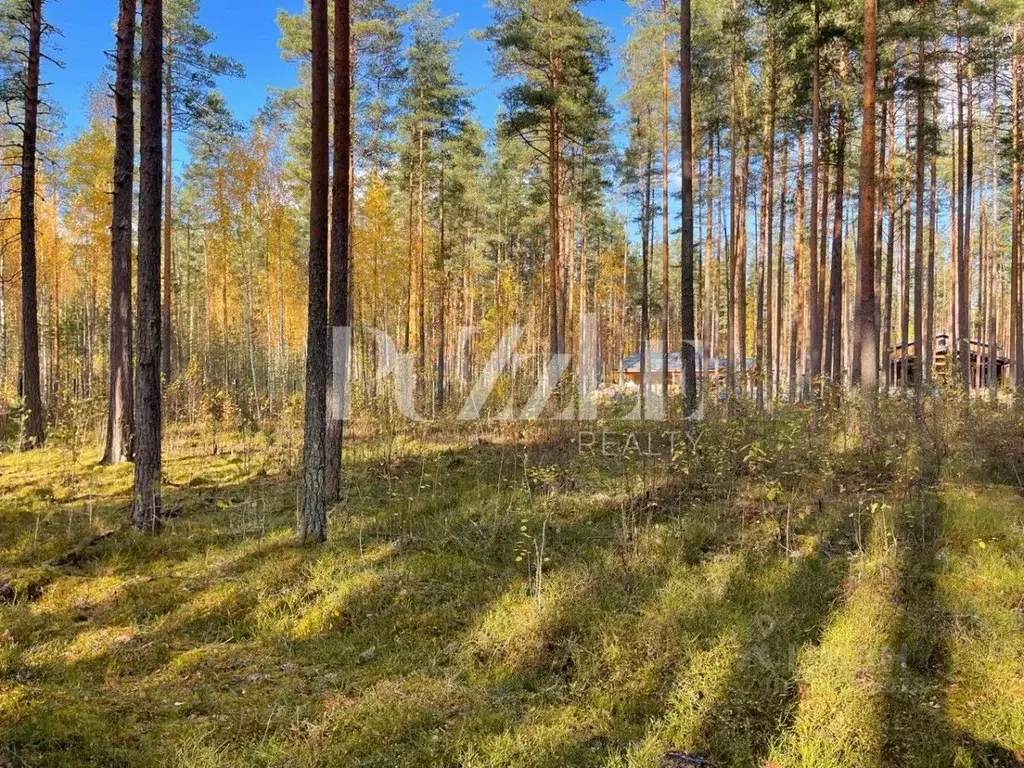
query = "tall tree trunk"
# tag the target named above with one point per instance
(780, 277)
(954, 243)
(3, 316)
(168, 252)
(964, 317)
(769, 216)
(687, 304)
(834, 360)
(890, 259)
(865, 356)
(1016, 314)
(554, 223)
(919, 346)
(760, 281)
(313, 510)
(814, 303)
(825, 177)
(55, 319)
(442, 297)
(709, 306)
(35, 421)
(991, 326)
(646, 220)
(120, 397)
(741, 245)
(665, 299)
(410, 308)
(905, 250)
(962, 344)
(797, 314)
(881, 208)
(421, 282)
(732, 318)
(149, 401)
(929, 337)
(339, 246)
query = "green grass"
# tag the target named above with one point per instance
(773, 597)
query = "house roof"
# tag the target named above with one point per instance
(942, 339)
(656, 362)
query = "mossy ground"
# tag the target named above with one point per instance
(771, 596)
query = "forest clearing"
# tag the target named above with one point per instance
(770, 596)
(539, 383)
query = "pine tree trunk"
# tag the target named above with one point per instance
(421, 283)
(1016, 315)
(732, 317)
(929, 337)
(905, 252)
(149, 401)
(442, 298)
(339, 288)
(665, 299)
(814, 307)
(35, 420)
(168, 222)
(966, 257)
(797, 314)
(865, 356)
(919, 347)
(834, 360)
(554, 224)
(312, 524)
(881, 209)
(991, 328)
(4, 350)
(645, 312)
(760, 279)
(961, 324)
(410, 323)
(120, 395)
(687, 304)
(769, 216)
(781, 272)
(824, 274)
(890, 248)
(824, 169)
(741, 250)
(709, 304)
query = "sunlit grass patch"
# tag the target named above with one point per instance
(982, 585)
(840, 705)
(488, 602)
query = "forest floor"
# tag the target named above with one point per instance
(772, 594)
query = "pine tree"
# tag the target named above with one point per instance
(149, 400)
(29, 18)
(865, 372)
(340, 225)
(687, 300)
(120, 397)
(313, 509)
(190, 73)
(435, 103)
(555, 54)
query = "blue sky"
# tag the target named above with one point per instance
(247, 32)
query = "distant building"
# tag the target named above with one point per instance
(983, 358)
(714, 369)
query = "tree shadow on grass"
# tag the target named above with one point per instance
(529, 674)
(776, 608)
(184, 637)
(917, 729)
(384, 664)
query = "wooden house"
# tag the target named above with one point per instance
(713, 370)
(983, 358)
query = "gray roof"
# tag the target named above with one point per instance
(656, 361)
